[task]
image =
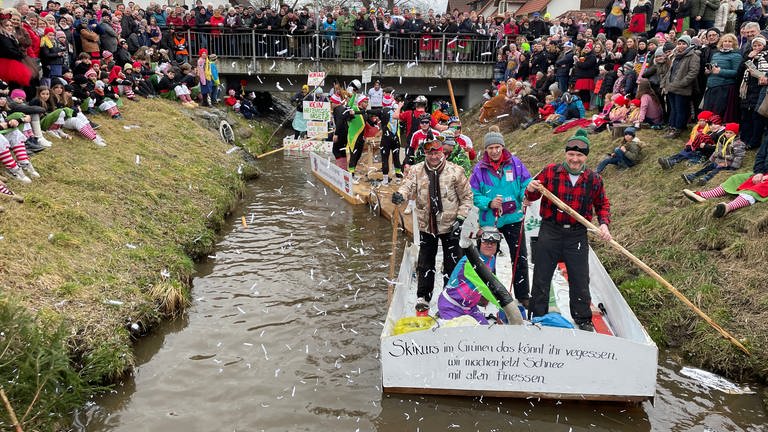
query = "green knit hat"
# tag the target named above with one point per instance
(578, 142)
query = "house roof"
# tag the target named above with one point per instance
(532, 6)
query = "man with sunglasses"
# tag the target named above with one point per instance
(466, 288)
(443, 198)
(563, 238)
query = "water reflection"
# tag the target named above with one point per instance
(284, 334)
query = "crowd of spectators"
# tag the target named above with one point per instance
(636, 67)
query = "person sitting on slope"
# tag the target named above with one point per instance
(626, 155)
(728, 155)
(691, 151)
(749, 188)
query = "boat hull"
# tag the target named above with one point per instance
(520, 361)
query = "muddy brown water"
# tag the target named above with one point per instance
(284, 334)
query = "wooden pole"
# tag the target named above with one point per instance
(566, 208)
(395, 226)
(270, 152)
(11, 413)
(453, 101)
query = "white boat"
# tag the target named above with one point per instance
(617, 363)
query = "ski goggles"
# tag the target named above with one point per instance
(434, 145)
(490, 236)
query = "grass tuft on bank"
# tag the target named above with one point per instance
(719, 264)
(103, 246)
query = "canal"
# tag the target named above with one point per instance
(283, 335)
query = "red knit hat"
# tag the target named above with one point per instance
(733, 127)
(715, 119)
(620, 100)
(49, 30)
(705, 115)
(136, 66)
(202, 50)
(588, 46)
(636, 102)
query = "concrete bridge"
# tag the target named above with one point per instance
(278, 63)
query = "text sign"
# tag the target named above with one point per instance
(367, 73)
(315, 78)
(328, 170)
(516, 359)
(317, 110)
(317, 128)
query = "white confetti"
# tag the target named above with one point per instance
(138, 159)
(278, 86)
(259, 78)
(502, 116)
(232, 150)
(372, 65)
(130, 246)
(282, 52)
(274, 63)
(165, 273)
(265, 352)
(289, 82)
(487, 53)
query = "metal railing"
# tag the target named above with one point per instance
(364, 47)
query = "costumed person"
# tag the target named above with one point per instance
(443, 198)
(615, 20)
(409, 119)
(464, 141)
(563, 238)
(749, 188)
(356, 106)
(692, 151)
(728, 155)
(339, 138)
(13, 153)
(299, 123)
(204, 76)
(390, 141)
(466, 289)
(453, 151)
(498, 184)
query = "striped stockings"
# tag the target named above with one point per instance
(7, 159)
(713, 193)
(4, 190)
(87, 131)
(738, 203)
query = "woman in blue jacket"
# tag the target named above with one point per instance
(721, 93)
(498, 183)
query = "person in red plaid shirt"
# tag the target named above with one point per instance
(562, 238)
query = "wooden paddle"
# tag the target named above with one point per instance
(395, 226)
(270, 152)
(453, 101)
(566, 208)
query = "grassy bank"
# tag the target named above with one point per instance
(716, 263)
(103, 246)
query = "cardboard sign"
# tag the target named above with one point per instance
(367, 73)
(317, 110)
(315, 79)
(317, 128)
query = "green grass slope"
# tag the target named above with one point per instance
(105, 239)
(717, 263)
